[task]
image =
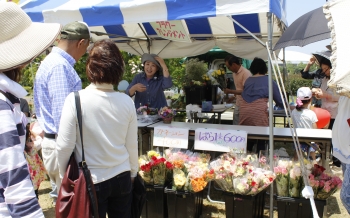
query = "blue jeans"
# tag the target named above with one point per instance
(114, 196)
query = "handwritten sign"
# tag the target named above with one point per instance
(165, 136)
(220, 140)
(173, 30)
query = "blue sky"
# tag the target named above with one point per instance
(295, 9)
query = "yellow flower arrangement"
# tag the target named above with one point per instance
(219, 75)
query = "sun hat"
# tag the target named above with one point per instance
(304, 93)
(21, 39)
(150, 57)
(75, 31)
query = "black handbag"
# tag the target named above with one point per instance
(77, 195)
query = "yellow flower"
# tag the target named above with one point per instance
(222, 72)
(152, 153)
(213, 73)
(218, 72)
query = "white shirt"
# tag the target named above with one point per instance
(304, 118)
(330, 105)
(109, 132)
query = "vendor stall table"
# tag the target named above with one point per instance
(323, 136)
(282, 114)
(214, 111)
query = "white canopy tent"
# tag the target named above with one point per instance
(240, 27)
(206, 23)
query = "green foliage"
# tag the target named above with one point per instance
(195, 70)
(177, 72)
(80, 67)
(29, 72)
(132, 65)
(295, 68)
(296, 81)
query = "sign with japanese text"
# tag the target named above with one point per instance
(165, 136)
(173, 30)
(220, 140)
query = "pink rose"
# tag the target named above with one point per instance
(277, 170)
(284, 171)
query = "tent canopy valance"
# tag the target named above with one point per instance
(206, 23)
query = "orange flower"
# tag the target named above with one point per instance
(198, 184)
(179, 164)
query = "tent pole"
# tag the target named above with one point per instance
(271, 144)
(285, 70)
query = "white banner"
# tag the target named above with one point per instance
(165, 136)
(220, 140)
(173, 30)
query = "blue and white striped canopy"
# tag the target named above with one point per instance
(206, 21)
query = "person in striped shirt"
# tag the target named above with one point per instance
(21, 40)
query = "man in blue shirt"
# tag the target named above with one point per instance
(55, 79)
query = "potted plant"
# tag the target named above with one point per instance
(167, 114)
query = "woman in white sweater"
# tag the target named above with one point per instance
(109, 132)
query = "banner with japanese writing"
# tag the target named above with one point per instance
(174, 30)
(165, 136)
(220, 140)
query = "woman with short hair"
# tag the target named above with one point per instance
(254, 109)
(109, 126)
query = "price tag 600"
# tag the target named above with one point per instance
(170, 137)
(220, 140)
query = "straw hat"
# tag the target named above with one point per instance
(21, 40)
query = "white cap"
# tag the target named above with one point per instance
(304, 93)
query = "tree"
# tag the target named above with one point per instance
(177, 72)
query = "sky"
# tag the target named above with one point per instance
(297, 8)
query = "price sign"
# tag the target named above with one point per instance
(173, 30)
(165, 136)
(220, 140)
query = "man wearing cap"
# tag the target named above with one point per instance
(55, 79)
(17, 197)
(148, 86)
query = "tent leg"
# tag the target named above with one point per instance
(271, 146)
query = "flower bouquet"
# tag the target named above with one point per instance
(167, 114)
(224, 167)
(327, 184)
(145, 169)
(219, 75)
(295, 179)
(198, 172)
(282, 177)
(147, 114)
(155, 169)
(259, 180)
(178, 158)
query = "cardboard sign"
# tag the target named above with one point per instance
(173, 30)
(220, 140)
(165, 136)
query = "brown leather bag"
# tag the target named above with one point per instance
(77, 196)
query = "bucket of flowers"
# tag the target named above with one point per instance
(167, 114)
(323, 184)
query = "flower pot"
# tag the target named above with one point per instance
(167, 120)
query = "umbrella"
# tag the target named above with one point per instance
(320, 55)
(310, 27)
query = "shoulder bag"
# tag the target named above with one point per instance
(77, 196)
